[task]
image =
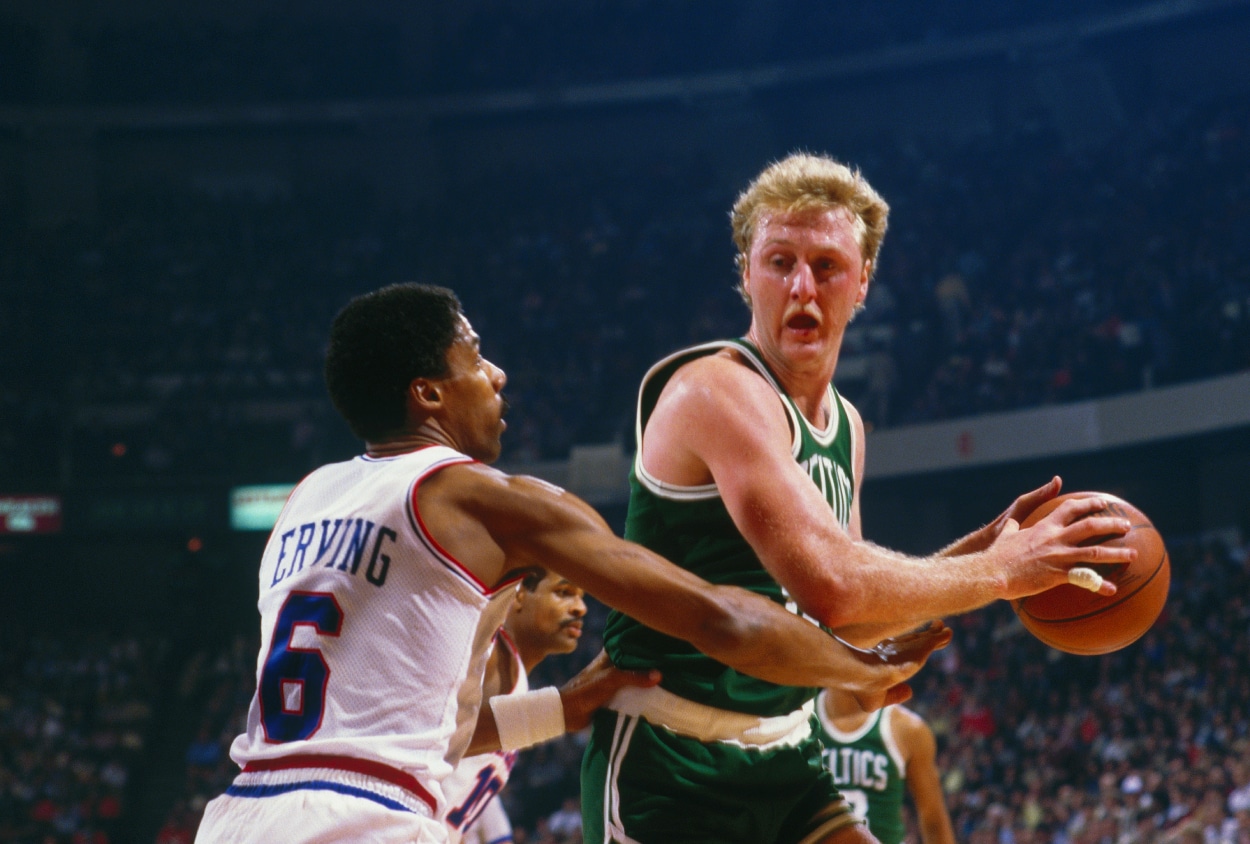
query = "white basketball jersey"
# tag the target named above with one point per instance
(477, 779)
(373, 639)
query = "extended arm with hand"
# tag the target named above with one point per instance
(496, 521)
(722, 417)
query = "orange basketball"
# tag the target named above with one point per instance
(1077, 621)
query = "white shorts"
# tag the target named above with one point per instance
(317, 806)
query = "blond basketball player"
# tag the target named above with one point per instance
(748, 471)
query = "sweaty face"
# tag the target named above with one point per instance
(805, 276)
(472, 392)
(549, 619)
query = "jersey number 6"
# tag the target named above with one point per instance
(293, 681)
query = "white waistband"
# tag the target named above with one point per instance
(707, 723)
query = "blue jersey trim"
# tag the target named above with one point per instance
(314, 785)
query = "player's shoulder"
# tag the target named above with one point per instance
(852, 413)
(473, 481)
(722, 377)
(506, 504)
(901, 714)
(908, 725)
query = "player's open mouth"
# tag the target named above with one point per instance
(802, 322)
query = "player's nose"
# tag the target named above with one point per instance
(498, 377)
(803, 283)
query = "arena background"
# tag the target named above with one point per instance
(188, 194)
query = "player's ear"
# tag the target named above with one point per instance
(519, 600)
(864, 277)
(424, 393)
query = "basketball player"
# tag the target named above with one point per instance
(546, 618)
(876, 756)
(386, 577)
(748, 471)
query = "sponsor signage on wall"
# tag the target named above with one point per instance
(30, 514)
(257, 507)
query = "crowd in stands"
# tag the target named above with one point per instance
(75, 719)
(183, 335)
(214, 690)
(1149, 744)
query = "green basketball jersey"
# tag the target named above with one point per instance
(869, 771)
(691, 527)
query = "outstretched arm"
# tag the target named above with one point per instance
(494, 522)
(717, 421)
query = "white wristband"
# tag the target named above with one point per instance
(528, 719)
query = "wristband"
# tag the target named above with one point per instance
(529, 718)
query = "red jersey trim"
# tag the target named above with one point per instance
(368, 767)
(439, 551)
(503, 636)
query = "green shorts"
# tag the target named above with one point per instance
(643, 784)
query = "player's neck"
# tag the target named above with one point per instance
(845, 714)
(406, 442)
(805, 382)
(529, 654)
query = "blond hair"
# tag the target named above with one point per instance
(802, 182)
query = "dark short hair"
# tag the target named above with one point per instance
(379, 343)
(533, 577)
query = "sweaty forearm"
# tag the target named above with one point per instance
(871, 593)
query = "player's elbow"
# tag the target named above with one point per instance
(831, 602)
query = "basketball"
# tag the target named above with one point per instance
(1078, 621)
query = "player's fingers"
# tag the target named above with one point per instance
(923, 631)
(1010, 526)
(1075, 509)
(1095, 527)
(1030, 501)
(1106, 554)
(646, 678)
(942, 638)
(1086, 578)
(938, 635)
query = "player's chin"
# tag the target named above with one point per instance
(807, 343)
(489, 451)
